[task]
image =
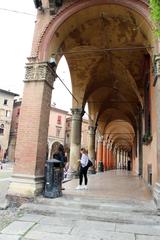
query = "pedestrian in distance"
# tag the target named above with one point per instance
(60, 155)
(83, 170)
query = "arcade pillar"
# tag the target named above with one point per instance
(30, 156)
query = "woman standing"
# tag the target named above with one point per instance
(83, 170)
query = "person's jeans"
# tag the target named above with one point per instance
(83, 173)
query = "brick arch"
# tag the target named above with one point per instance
(139, 6)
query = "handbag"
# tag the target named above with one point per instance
(90, 164)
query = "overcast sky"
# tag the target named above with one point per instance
(15, 46)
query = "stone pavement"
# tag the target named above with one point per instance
(5, 176)
(117, 206)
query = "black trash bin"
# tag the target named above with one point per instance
(53, 179)
(100, 166)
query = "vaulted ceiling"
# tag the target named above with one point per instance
(106, 47)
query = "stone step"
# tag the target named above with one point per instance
(96, 210)
(147, 208)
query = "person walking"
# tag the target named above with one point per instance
(60, 155)
(83, 170)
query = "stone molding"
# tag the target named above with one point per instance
(25, 186)
(37, 72)
(77, 114)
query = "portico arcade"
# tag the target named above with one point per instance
(110, 49)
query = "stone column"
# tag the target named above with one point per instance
(104, 155)
(140, 126)
(49, 151)
(110, 156)
(123, 158)
(157, 93)
(91, 147)
(75, 144)
(120, 158)
(99, 150)
(117, 155)
(30, 156)
(127, 160)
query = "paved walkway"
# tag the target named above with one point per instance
(117, 206)
(114, 185)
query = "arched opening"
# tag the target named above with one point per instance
(109, 49)
(54, 148)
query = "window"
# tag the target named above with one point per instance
(58, 130)
(5, 102)
(59, 120)
(1, 129)
(7, 113)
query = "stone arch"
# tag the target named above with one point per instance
(54, 147)
(139, 6)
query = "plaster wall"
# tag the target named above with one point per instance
(57, 127)
(150, 151)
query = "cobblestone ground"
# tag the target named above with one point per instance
(10, 214)
(7, 216)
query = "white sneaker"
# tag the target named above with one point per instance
(79, 187)
(85, 187)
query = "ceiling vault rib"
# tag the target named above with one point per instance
(104, 50)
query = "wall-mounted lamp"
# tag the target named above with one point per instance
(52, 61)
(38, 4)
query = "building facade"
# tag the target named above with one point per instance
(56, 130)
(111, 50)
(6, 108)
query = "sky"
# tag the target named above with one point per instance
(15, 46)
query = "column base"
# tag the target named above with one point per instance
(72, 174)
(156, 195)
(25, 187)
(92, 170)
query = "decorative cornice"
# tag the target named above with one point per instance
(40, 72)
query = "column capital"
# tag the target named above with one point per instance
(77, 113)
(104, 143)
(91, 130)
(38, 72)
(100, 139)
